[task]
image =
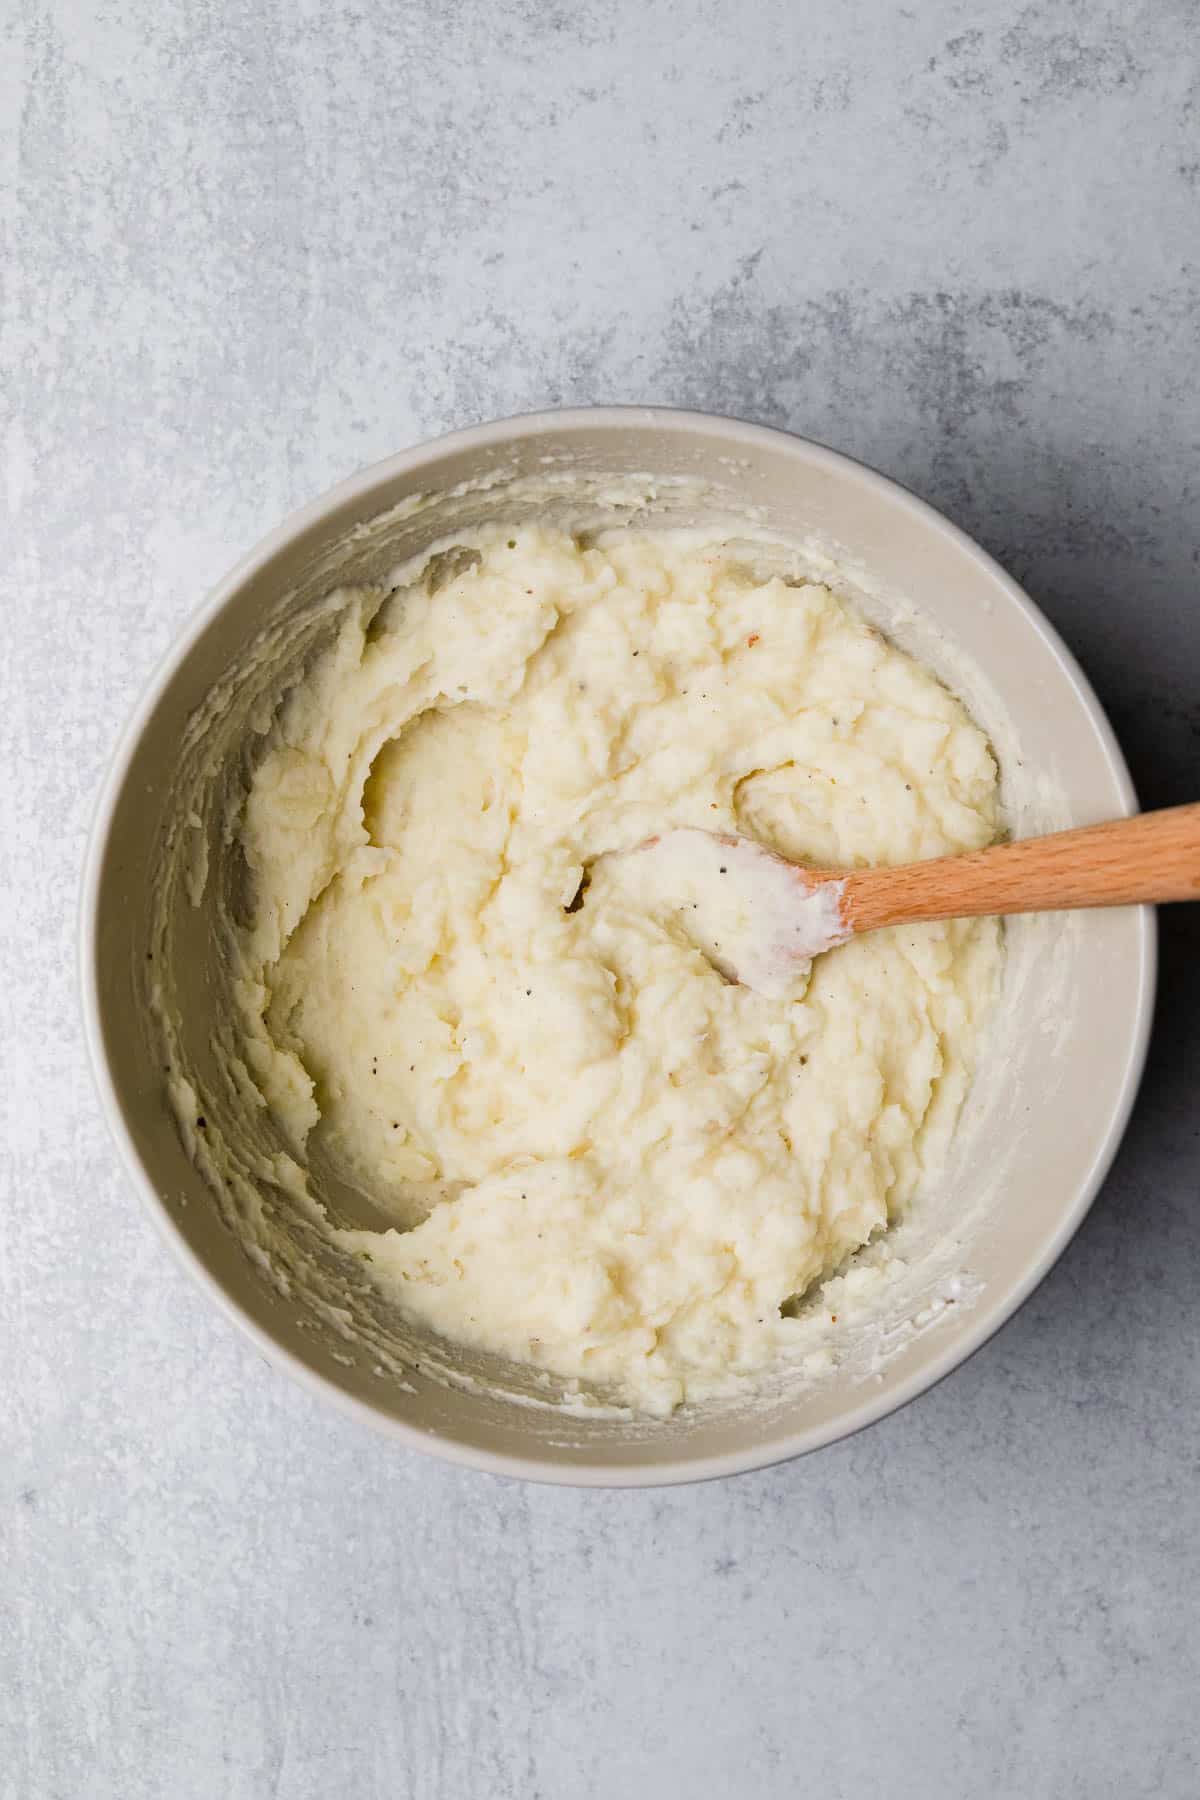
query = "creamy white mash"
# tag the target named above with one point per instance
(602, 1157)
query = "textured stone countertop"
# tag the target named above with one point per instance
(247, 248)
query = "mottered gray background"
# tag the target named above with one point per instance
(247, 248)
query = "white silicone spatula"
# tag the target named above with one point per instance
(760, 917)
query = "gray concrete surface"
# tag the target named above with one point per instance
(249, 247)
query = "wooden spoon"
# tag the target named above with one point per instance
(761, 918)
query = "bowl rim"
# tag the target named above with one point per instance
(985, 1320)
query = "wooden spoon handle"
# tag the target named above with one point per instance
(1151, 857)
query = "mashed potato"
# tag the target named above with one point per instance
(603, 1158)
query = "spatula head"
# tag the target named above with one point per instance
(758, 918)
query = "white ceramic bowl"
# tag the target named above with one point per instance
(1048, 1108)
